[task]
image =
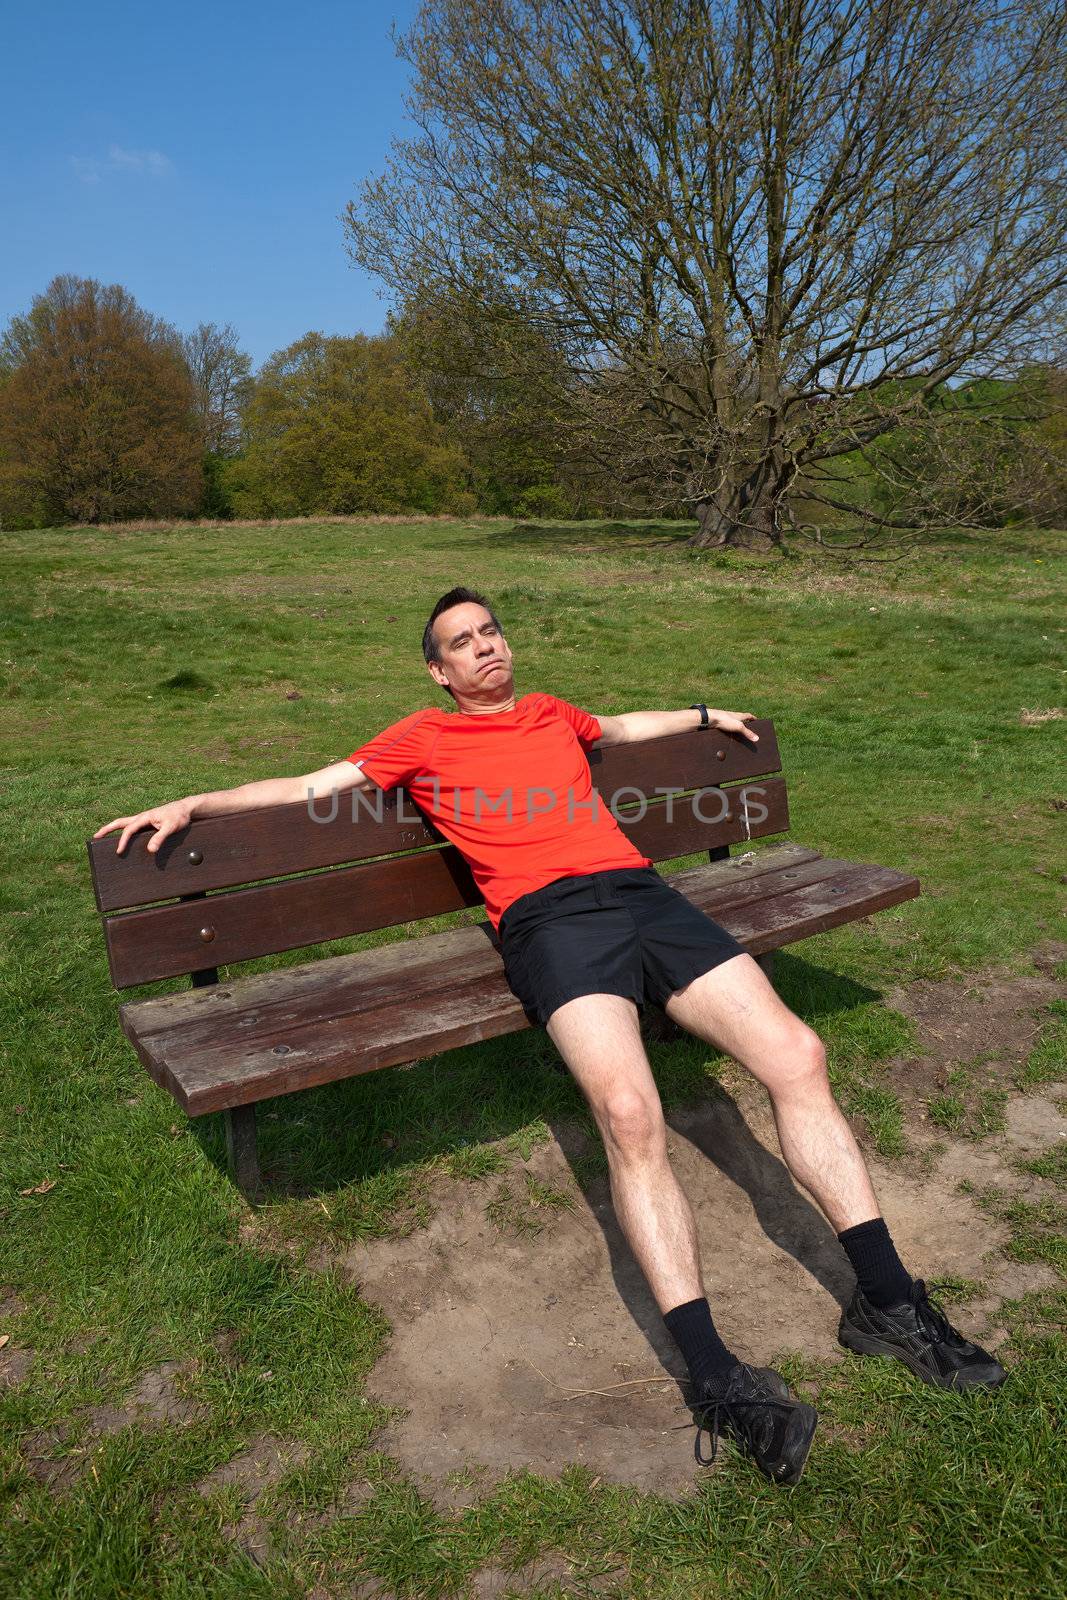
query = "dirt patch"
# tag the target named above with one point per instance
(524, 1336)
(361, 1589)
(155, 1399)
(989, 1020)
(497, 1583)
(258, 1468)
(226, 1344)
(349, 1503)
(289, 741)
(1047, 957)
(15, 1364)
(216, 750)
(514, 1350)
(42, 1457)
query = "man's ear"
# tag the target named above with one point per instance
(437, 673)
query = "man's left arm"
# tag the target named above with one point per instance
(632, 726)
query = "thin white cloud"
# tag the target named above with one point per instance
(86, 168)
(148, 163)
(153, 162)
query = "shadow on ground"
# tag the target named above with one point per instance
(524, 1336)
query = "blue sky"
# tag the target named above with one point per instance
(199, 154)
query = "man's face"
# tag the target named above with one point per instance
(475, 660)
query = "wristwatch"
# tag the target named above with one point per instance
(705, 720)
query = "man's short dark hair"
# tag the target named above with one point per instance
(454, 597)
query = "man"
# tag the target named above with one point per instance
(589, 931)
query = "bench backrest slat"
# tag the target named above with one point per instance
(225, 852)
(239, 924)
(256, 919)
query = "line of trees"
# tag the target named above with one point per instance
(773, 264)
(107, 413)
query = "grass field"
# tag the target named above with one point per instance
(914, 706)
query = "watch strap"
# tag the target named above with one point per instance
(705, 721)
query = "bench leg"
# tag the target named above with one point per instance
(242, 1152)
(767, 964)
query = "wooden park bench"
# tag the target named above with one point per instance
(230, 889)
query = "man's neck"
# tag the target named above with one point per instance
(474, 708)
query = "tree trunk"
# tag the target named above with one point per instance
(746, 518)
(715, 526)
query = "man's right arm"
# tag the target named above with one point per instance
(176, 814)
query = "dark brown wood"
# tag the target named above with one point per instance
(234, 1062)
(253, 845)
(247, 847)
(781, 856)
(209, 1080)
(686, 761)
(858, 891)
(242, 1151)
(240, 924)
(209, 975)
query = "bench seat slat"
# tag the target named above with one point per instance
(235, 1068)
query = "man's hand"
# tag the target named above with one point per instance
(165, 819)
(734, 722)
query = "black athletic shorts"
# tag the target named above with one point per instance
(625, 931)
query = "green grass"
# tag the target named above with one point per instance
(140, 666)
(1038, 1228)
(970, 1110)
(1052, 1164)
(1047, 1062)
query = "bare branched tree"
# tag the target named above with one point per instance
(762, 234)
(222, 379)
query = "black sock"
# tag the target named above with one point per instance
(693, 1331)
(879, 1271)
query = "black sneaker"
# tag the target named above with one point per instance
(758, 1411)
(918, 1333)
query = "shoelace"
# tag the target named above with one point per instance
(929, 1315)
(726, 1403)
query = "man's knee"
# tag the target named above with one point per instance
(632, 1123)
(802, 1059)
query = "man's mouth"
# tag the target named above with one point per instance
(487, 664)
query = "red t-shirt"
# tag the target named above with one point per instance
(511, 790)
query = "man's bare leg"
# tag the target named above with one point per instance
(734, 1008)
(599, 1037)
